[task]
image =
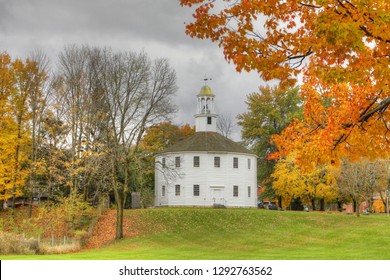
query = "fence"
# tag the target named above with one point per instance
(19, 244)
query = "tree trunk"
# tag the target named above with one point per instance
(16, 170)
(357, 205)
(322, 204)
(119, 221)
(339, 205)
(313, 203)
(280, 201)
(119, 199)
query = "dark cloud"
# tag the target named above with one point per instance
(140, 19)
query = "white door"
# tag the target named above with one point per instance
(217, 196)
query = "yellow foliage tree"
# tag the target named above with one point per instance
(18, 80)
(291, 181)
(8, 131)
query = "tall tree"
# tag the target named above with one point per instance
(8, 128)
(341, 48)
(137, 93)
(73, 93)
(36, 102)
(84, 111)
(269, 112)
(20, 87)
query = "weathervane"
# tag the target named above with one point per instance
(206, 79)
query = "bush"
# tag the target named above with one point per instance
(65, 217)
(15, 244)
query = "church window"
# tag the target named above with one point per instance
(235, 162)
(196, 161)
(163, 162)
(208, 120)
(249, 163)
(235, 191)
(196, 190)
(217, 162)
(177, 190)
(163, 191)
(249, 191)
(177, 161)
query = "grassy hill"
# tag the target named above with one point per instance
(193, 233)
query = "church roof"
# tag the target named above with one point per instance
(207, 142)
(206, 91)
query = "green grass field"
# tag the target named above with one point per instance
(222, 234)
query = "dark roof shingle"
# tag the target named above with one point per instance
(207, 141)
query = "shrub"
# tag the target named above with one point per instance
(16, 244)
(65, 217)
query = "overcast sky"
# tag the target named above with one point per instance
(154, 26)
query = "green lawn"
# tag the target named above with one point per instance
(192, 233)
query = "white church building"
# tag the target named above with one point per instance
(206, 169)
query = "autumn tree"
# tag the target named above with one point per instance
(315, 185)
(8, 128)
(341, 49)
(21, 85)
(360, 180)
(160, 136)
(269, 112)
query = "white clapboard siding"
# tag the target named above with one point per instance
(211, 180)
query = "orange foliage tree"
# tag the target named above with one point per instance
(157, 138)
(162, 135)
(340, 47)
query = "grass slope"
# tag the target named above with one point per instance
(190, 233)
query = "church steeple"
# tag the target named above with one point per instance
(206, 117)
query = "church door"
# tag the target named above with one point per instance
(217, 196)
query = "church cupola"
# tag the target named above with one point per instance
(206, 117)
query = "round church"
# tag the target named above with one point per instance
(206, 169)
